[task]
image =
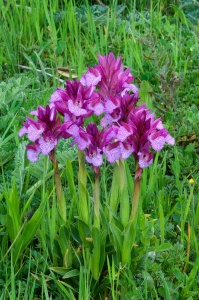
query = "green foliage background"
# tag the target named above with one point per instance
(39, 257)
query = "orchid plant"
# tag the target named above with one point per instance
(106, 91)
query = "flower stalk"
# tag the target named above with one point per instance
(113, 202)
(136, 193)
(97, 199)
(82, 181)
(59, 189)
(124, 197)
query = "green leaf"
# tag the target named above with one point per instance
(129, 237)
(96, 252)
(71, 273)
(59, 270)
(13, 216)
(63, 238)
(145, 88)
(66, 289)
(164, 247)
(179, 275)
(28, 232)
(84, 231)
(167, 289)
(98, 255)
(68, 257)
(117, 240)
(181, 15)
(71, 184)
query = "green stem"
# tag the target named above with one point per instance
(136, 194)
(83, 196)
(113, 202)
(59, 191)
(82, 169)
(96, 201)
(124, 196)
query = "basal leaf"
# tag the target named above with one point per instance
(29, 232)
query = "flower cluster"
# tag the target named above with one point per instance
(44, 133)
(105, 90)
(142, 133)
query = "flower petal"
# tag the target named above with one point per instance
(33, 152)
(145, 159)
(170, 140)
(22, 131)
(126, 150)
(123, 133)
(47, 144)
(34, 132)
(91, 78)
(96, 160)
(112, 152)
(75, 109)
(158, 143)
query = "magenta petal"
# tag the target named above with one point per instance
(129, 87)
(112, 154)
(109, 106)
(145, 159)
(34, 133)
(34, 113)
(43, 112)
(47, 145)
(76, 110)
(22, 131)
(123, 133)
(67, 117)
(126, 150)
(32, 153)
(56, 96)
(109, 135)
(82, 138)
(96, 160)
(82, 143)
(158, 143)
(73, 130)
(106, 120)
(170, 140)
(98, 109)
(52, 114)
(91, 78)
(103, 122)
(88, 92)
(159, 124)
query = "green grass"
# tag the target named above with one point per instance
(42, 258)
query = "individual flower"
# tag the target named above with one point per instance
(142, 133)
(45, 132)
(191, 180)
